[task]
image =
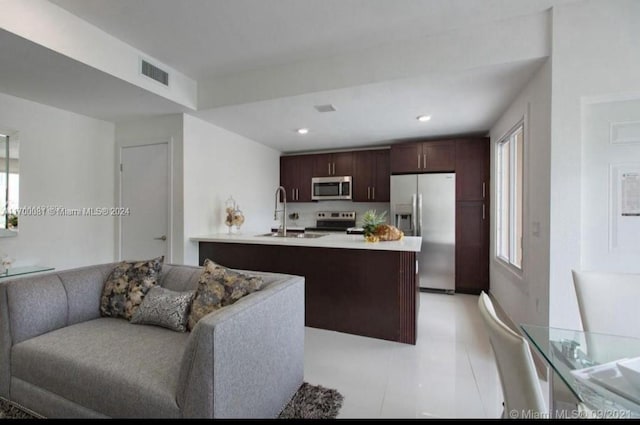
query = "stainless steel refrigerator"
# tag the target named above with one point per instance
(424, 205)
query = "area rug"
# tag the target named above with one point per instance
(310, 402)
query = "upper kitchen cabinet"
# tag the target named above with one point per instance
(472, 169)
(371, 176)
(423, 157)
(333, 164)
(295, 177)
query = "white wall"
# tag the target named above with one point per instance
(609, 241)
(167, 128)
(525, 296)
(219, 164)
(595, 53)
(66, 160)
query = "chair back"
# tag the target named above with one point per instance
(608, 302)
(520, 385)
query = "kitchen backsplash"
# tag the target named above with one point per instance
(307, 211)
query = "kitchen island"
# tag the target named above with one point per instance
(352, 286)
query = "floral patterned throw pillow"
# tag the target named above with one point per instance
(219, 287)
(127, 285)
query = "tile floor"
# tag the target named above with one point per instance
(449, 373)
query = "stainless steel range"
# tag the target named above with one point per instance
(334, 221)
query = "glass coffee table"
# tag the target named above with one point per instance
(19, 271)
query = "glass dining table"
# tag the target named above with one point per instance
(587, 363)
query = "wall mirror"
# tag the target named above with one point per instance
(9, 183)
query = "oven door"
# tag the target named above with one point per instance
(328, 188)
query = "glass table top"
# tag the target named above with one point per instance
(587, 363)
(19, 271)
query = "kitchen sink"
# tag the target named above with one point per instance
(295, 235)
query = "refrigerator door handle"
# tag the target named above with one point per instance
(414, 212)
(420, 214)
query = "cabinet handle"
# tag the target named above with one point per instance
(418, 161)
(424, 160)
(297, 194)
(334, 168)
(328, 168)
(374, 192)
(483, 189)
(483, 212)
(368, 192)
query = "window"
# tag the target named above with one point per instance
(510, 176)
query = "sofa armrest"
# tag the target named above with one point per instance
(246, 360)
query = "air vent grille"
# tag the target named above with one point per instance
(155, 73)
(325, 108)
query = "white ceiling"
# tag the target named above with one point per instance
(203, 38)
(213, 40)
(460, 103)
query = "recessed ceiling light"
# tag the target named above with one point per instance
(302, 130)
(423, 118)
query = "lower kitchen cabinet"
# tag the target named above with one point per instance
(472, 247)
(366, 292)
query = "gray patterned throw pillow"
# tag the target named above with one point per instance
(127, 285)
(218, 287)
(166, 308)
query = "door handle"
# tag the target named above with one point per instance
(418, 161)
(161, 238)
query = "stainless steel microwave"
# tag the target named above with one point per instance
(330, 188)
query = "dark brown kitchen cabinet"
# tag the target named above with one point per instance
(472, 215)
(423, 157)
(371, 176)
(333, 164)
(295, 176)
(472, 247)
(472, 169)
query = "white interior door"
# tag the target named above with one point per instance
(144, 189)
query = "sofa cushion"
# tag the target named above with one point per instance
(107, 365)
(127, 285)
(218, 287)
(166, 308)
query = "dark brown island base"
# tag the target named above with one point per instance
(368, 289)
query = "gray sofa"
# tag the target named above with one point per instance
(59, 358)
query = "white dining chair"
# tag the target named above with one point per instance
(608, 302)
(520, 385)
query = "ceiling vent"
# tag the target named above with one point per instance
(325, 108)
(154, 73)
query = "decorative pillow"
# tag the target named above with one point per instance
(127, 285)
(166, 308)
(219, 287)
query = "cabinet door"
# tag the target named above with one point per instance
(342, 164)
(472, 252)
(382, 177)
(472, 169)
(406, 158)
(322, 165)
(363, 171)
(303, 178)
(439, 156)
(288, 171)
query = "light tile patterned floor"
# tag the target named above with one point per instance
(450, 373)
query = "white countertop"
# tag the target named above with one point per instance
(331, 240)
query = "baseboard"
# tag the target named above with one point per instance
(541, 365)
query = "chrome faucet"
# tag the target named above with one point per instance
(283, 210)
